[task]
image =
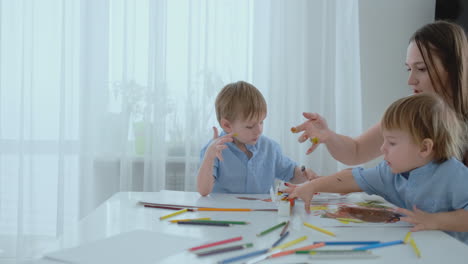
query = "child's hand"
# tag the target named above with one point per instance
(315, 128)
(420, 219)
(305, 192)
(217, 145)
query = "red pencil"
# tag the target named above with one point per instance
(216, 243)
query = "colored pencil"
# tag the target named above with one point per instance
(292, 251)
(173, 214)
(234, 209)
(415, 247)
(284, 228)
(248, 255)
(191, 219)
(223, 250)
(221, 242)
(219, 221)
(290, 243)
(407, 237)
(168, 207)
(350, 220)
(335, 243)
(319, 229)
(330, 251)
(385, 244)
(271, 229)
(342, 254)
(202, 223)
(280, 239)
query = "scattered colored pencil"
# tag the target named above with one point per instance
(221, 242)
(219, 221)
(280, 239)
(328, 251)
(168, 207)
(284, 228)
(407, 237)
(223, 250)
(292, 251)
(319, 229)
(271, 229)
(350, 220)
(202, 223)
(234, 209)
(173, 214)
(335, 243)
(415, 247)
(290, 243)
(385, 244)
(248, 255)
(190, 219)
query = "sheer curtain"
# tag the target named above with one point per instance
(105, 96)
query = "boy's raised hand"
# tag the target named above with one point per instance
(217, 145)
(305, 192)
(315, 128)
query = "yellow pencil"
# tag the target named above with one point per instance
(415, 247)
(290, 243)
(407, 237)
(185, 220)
(350, 220)
(319, 229)
(173, 214)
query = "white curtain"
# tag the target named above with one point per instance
(104, 96)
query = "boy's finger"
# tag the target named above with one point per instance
(215, 133)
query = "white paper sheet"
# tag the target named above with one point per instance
(139, 246)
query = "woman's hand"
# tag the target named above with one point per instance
(315, 129)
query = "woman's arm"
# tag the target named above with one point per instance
(350, 151)
(353, 151)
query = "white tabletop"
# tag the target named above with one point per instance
(122, 213)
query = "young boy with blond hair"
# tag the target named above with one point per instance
(241, 159)
(421, 173)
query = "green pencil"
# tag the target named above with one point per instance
(271, 229)
(219, 221)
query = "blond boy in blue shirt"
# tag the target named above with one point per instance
(241, 159)
(421, 173)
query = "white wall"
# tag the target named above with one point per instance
(385, 28)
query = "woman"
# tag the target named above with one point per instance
(437, 62)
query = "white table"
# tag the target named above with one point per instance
(122, 213)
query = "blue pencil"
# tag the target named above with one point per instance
(385, 244)
(333, 243)
(248, 255)
(280, 239)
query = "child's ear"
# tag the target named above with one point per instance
(427, 146)
(226, 125)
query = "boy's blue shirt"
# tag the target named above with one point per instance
(239, 174)
(434, 187)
